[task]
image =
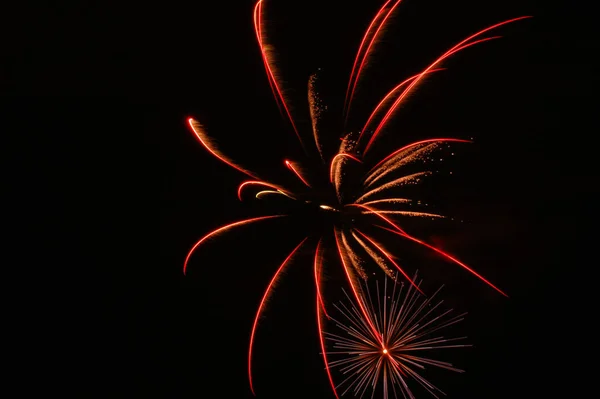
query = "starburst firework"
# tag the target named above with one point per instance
(386, 358)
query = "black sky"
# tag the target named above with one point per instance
(114, 190)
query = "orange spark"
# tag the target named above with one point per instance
(408, 179)
(315, 108)
(353, 257)
(399, 161)
(335, 158)
(353, 287)
(389, 258)
(389, 201)
(408, 213)
(408, 146)
(378, 259)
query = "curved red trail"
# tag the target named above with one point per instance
(222, 230)
(386, 98)
(453, 50)
(379, 215)
(261, 306)
(272, 80)
(318, 266)
(291, 167)
(359, 52)
(368, 50)
(324, 350)
(321, 307)
(201, 136)
(447, 256)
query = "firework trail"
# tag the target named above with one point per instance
(262, 304)
(371, 35)
(386, 359)
(353, 208)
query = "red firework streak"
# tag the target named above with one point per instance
(368, 204)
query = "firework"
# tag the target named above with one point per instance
(386, 350)
(356, 208)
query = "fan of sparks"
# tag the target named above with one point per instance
(375, 204)
(383, 351)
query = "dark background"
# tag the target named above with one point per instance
(111, 190)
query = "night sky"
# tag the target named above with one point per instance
(115, 190)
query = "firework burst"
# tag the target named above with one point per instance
(353, 212)
(384, 359)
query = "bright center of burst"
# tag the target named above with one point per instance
(385, 351)
(327, 208)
